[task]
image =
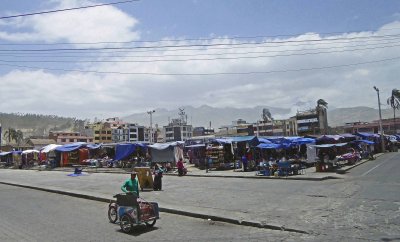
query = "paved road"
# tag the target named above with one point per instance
(372, 208)
(31, 215)
(364, 205)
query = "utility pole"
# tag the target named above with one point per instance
(151, 125)
(380, 120)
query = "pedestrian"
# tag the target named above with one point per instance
(158, 174)
(244, 162)
(209, 163)
(180, 167)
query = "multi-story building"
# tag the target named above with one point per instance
(102, 132)
(286, 127)
(177, 130)
(120, 134)
(312, 122)
(202, 131)
(69, 137)
(238, 127)
(137, 133)
(390, 126)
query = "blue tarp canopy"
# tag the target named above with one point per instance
(264, 140)
(163, 146)
(249, 139)
(221, 141)
(348, 135)
(330, 145)
(93, 146)
(122, 151)
(71, 147)
(270, 146)
(195, 146)
(367, 135)
(368, 142)
(301, 141)
(330, 137)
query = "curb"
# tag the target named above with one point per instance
(266, 177)
(288, 178)
(166, 210)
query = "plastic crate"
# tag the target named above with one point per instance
(129, 200)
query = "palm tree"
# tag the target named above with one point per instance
(10, 134)
(394, 102)
(322, 103)
(19, 136)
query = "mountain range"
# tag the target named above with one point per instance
(208, 116)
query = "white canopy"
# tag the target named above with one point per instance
(49, 148)
(29, 151)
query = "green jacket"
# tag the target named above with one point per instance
(131, 186)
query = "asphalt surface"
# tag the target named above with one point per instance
(31, 215)
(365, 205)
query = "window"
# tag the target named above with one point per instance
(97, 132)
(63, 140)
(109, 132)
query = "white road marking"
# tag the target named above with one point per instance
(373, 168)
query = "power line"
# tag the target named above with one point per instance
(195, 45)
(217, 54)
(193, 39)
(66, 9)
(198, 59)
(265, 45)
(205, 74)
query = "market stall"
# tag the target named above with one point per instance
(29, 157)
(219, 153)
(71, 154)
(166, 152)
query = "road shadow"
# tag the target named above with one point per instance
(139, 230)
(390, 239)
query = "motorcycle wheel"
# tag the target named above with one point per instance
(112, 213)
(150, 224)
(126, 224)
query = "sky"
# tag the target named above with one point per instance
(127, 58)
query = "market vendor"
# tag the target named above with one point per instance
(131, 185)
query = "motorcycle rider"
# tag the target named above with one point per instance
(131, 185)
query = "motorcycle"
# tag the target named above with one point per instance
(131, 210)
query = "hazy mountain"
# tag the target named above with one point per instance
(340, 116)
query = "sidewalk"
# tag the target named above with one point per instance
(309, 174)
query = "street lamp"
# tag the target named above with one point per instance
(151, 125)
(380, 120)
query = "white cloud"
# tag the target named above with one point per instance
(100, 24)
(90, 94)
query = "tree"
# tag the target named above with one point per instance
(19, 136)
(12, 134)
(322, 103)
(394, 102)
